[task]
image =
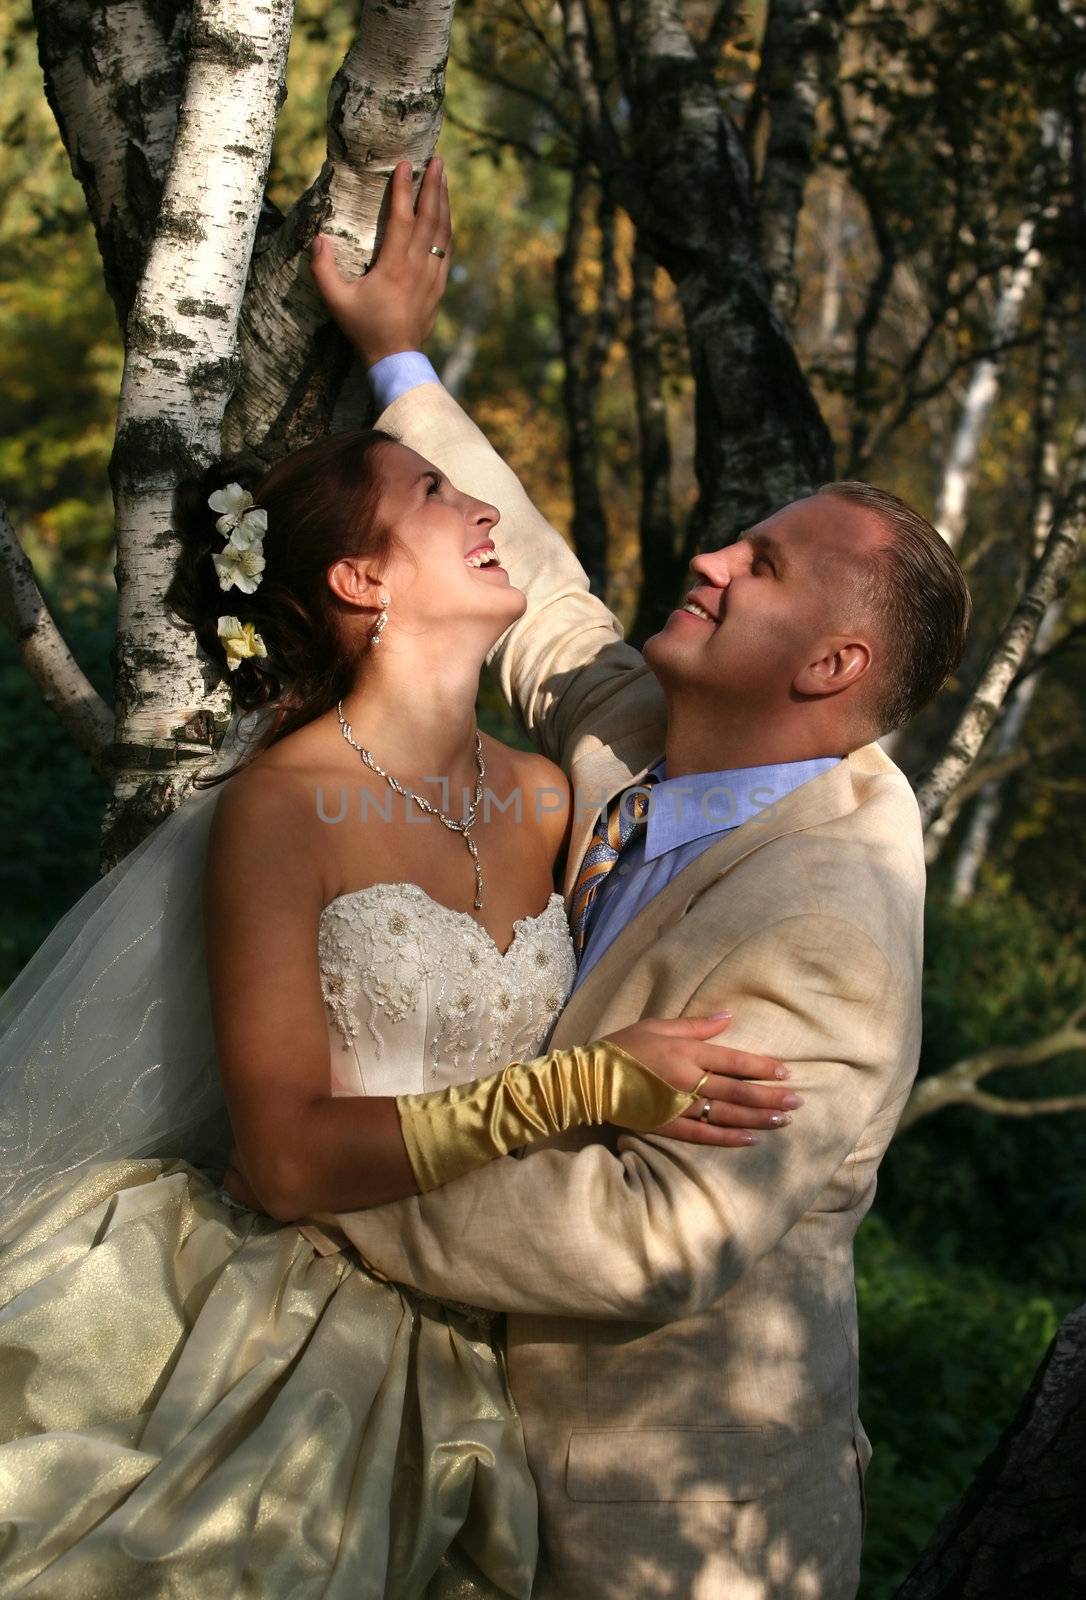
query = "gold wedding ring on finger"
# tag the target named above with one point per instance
(703, 1114)
(436, 250)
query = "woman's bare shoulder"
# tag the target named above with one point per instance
(538, 772)
(268, 809)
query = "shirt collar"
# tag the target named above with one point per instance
(703, 803)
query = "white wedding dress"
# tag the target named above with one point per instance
(199, 1402)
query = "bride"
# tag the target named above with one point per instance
(342, 954)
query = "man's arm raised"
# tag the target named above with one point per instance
(565, 661)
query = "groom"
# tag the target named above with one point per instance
(682, 1331)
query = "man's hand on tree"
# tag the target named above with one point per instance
(392, 307)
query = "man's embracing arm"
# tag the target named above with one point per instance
(658, 1230)
(565, 660)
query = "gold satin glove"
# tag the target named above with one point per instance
(452, 1131)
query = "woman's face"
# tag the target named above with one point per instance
(443, 569)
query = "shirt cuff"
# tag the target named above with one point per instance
(393, 375)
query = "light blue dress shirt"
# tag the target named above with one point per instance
(686, 815)
(392, 376)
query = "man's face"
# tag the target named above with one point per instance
(759, 611)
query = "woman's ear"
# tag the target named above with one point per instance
(351, 581)
(838, 664)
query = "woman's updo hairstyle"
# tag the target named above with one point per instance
(321, 502)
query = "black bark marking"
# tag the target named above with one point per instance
(151, 447)
(181, 225)
(188, 307)
(225, 47)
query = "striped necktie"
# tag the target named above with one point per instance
(621, 821)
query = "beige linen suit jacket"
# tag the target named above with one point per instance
(682, 1336)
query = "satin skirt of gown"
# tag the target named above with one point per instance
(199, 1401)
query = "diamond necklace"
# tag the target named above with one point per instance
(462, 826)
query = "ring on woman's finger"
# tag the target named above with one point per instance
(705, 1110)
(436, 250)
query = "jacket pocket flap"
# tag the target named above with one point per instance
(667, 1464)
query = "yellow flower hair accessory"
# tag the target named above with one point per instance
(240, 640)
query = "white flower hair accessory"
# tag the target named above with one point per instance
(239, 517)
(240, 567)
(240, 640)
(241, 561)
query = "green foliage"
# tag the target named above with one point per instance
(60, 357)
(977, 1246)
(51, 802)
(947, 1351)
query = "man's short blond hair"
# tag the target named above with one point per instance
(917, 593)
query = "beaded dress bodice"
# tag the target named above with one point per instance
(419, 996)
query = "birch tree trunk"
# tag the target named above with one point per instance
(113, 79)
(180, 366)
(1047, 584)
(760, 438)
(661, 567)
(174, 191)
(385, 105)
(985, 814)
(833, 232)
(579, 382)
(474, 312)
(951, 509)
(799, 52)
(684, 178)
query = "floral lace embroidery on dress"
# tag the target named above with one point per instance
(395, 948)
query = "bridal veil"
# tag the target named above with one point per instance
(106, 1042)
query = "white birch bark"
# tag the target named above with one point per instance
(1013, 646)
(113, 77)
(64, 686)
(473, 319)
(385, 105)
(829, 318)
(951, 509)
(180, 366)
(985, 814)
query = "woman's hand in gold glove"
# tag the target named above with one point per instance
(678, 1051)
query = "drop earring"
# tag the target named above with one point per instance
(384, 600)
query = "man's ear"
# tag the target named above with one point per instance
(838, 664)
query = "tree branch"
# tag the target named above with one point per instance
(958, 1085)
(1048, 582)
(799, 55)
(601, 136)
(64, 686)
(579, 385)
(719, 31)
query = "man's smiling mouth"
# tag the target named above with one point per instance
(697, 611)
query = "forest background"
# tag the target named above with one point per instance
(929, 219)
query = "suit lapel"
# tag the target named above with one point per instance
(820, 800)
